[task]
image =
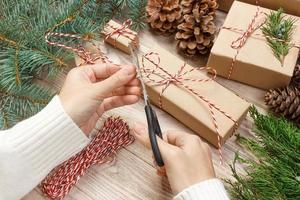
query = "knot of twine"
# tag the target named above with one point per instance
(180, 79)
(122, 30)
(113, 135)
(239, 43)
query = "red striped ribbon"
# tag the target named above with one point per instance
(180, 80)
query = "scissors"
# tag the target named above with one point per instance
(153, 124)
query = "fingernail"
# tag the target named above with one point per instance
(139, 128)
(128, 70)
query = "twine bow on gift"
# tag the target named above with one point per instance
(180, 79)
(123, 30)
(113, 135)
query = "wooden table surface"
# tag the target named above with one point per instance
(133, 175)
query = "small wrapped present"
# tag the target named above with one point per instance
(192, 96)
(241, 51)
(290, 6)
(120, 36)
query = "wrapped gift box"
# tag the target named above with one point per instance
(187, 107)
(120, 36)
(289, 6)
(255, 63)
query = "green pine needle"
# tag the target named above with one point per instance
(278, 31)
(275, 174)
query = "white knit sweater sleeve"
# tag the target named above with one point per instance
(32, 148)
(212, 189)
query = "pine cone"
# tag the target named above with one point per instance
(296, 77)
(187, 6)
(196, 32)
(285, 102)
(163, 15)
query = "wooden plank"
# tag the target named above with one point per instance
(128, 178)
(34, 195)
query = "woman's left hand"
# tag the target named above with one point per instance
(91, 90)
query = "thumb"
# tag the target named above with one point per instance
(141, 134)
(116, 80)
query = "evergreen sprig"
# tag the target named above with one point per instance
(26, 57)
(278, 30)
(275, 173)
(21, 102)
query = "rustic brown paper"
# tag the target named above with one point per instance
(188, 108)
(290, 6)
(256, 64)
(121, 42)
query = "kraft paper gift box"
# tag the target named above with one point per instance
(120, 36)
(289, 6)
(187, 107)
(255, 62)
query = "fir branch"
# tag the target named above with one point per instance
(74, 11)
(16, 64)
(32, 63)
(8, 118)
(21, 103)
(7, 40)
(137, 10)
(24, 54)
(278, 31)
(58, 61)
(111, 9)
(41, 101)
(3, 120)
(274, 175)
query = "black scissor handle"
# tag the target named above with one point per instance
(154, 130)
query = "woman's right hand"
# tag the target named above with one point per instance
(187, 158)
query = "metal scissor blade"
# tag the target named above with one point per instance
(135, 61)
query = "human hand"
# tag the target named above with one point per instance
(187, 159)
(91, 90)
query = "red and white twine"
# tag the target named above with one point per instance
(123, 30)
(87, 56)
(180, 80)
(241, 41)
(102, 149)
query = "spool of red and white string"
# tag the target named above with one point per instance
(102, 149)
